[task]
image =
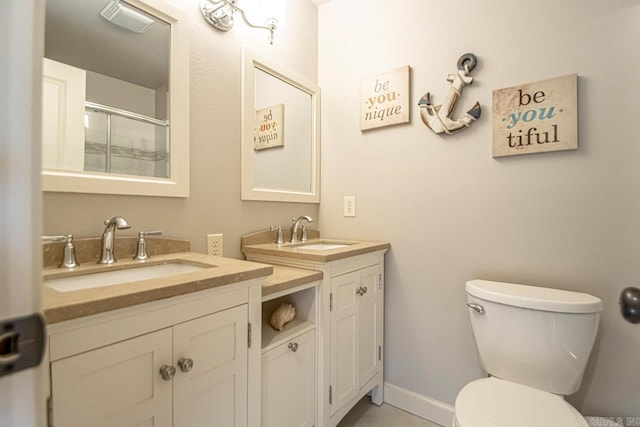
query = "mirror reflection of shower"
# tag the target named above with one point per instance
(124, 143)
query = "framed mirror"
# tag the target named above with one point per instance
(115, 98)
(280, 143)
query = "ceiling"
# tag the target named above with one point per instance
(77, 35)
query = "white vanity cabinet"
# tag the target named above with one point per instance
(182, 361)
(349, 330)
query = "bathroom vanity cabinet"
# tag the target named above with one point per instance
(350, 324)
(180, 361)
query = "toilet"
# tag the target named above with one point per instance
(534, 342)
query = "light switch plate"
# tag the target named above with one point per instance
(350, 206)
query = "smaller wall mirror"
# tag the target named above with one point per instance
(280, 152)
(115, 98)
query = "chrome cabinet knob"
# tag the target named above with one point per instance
(359, 291)
(185, 364)
(167, 372)
(364, 290)
(293, 346)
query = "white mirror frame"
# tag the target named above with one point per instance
(178, 183)
(250, 62)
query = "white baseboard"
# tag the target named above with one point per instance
(417, 404)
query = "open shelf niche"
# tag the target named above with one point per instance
(304, 300)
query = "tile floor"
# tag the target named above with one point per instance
(365, 414)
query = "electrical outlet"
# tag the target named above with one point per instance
(349, 206)
(215, 244)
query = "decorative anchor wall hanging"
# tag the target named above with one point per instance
(438, 117)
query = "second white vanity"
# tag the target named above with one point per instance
(350, 323)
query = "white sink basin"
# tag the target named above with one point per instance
(116, 277)
(323, 246)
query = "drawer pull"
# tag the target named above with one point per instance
(293, 346)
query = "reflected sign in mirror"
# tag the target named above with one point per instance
(280, 133)
(115, 87)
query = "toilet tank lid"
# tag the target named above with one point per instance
(534, 297)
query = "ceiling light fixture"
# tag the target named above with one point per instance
(220, 14)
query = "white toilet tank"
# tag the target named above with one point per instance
(539, 337)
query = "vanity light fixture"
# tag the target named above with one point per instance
(126, 16)
(220, 14)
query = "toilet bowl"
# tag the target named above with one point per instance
(534, 342)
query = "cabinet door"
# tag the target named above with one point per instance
(117, 385)
(370, 332)
(288, 383)
(214, 391)
(344, 339)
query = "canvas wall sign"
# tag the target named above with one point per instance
(269, 130)
(384, 99)
(536, 117)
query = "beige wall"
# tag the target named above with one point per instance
(569, 220)
(214, 205)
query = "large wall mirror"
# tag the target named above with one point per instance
(115, 98)
(280, 149)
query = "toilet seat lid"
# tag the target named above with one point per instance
(492, 402)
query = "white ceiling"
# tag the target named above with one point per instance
(77, 35)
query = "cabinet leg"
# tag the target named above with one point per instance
(377, 394)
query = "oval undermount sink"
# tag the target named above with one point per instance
(115, 277)
(323, 246)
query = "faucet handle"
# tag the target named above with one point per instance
(279, 237)
(304, 233)
(60, 238)
(69, 255)
(141, 252)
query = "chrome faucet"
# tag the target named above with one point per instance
(107, 254)
(295, 224)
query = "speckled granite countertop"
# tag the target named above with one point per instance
(60, 306)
